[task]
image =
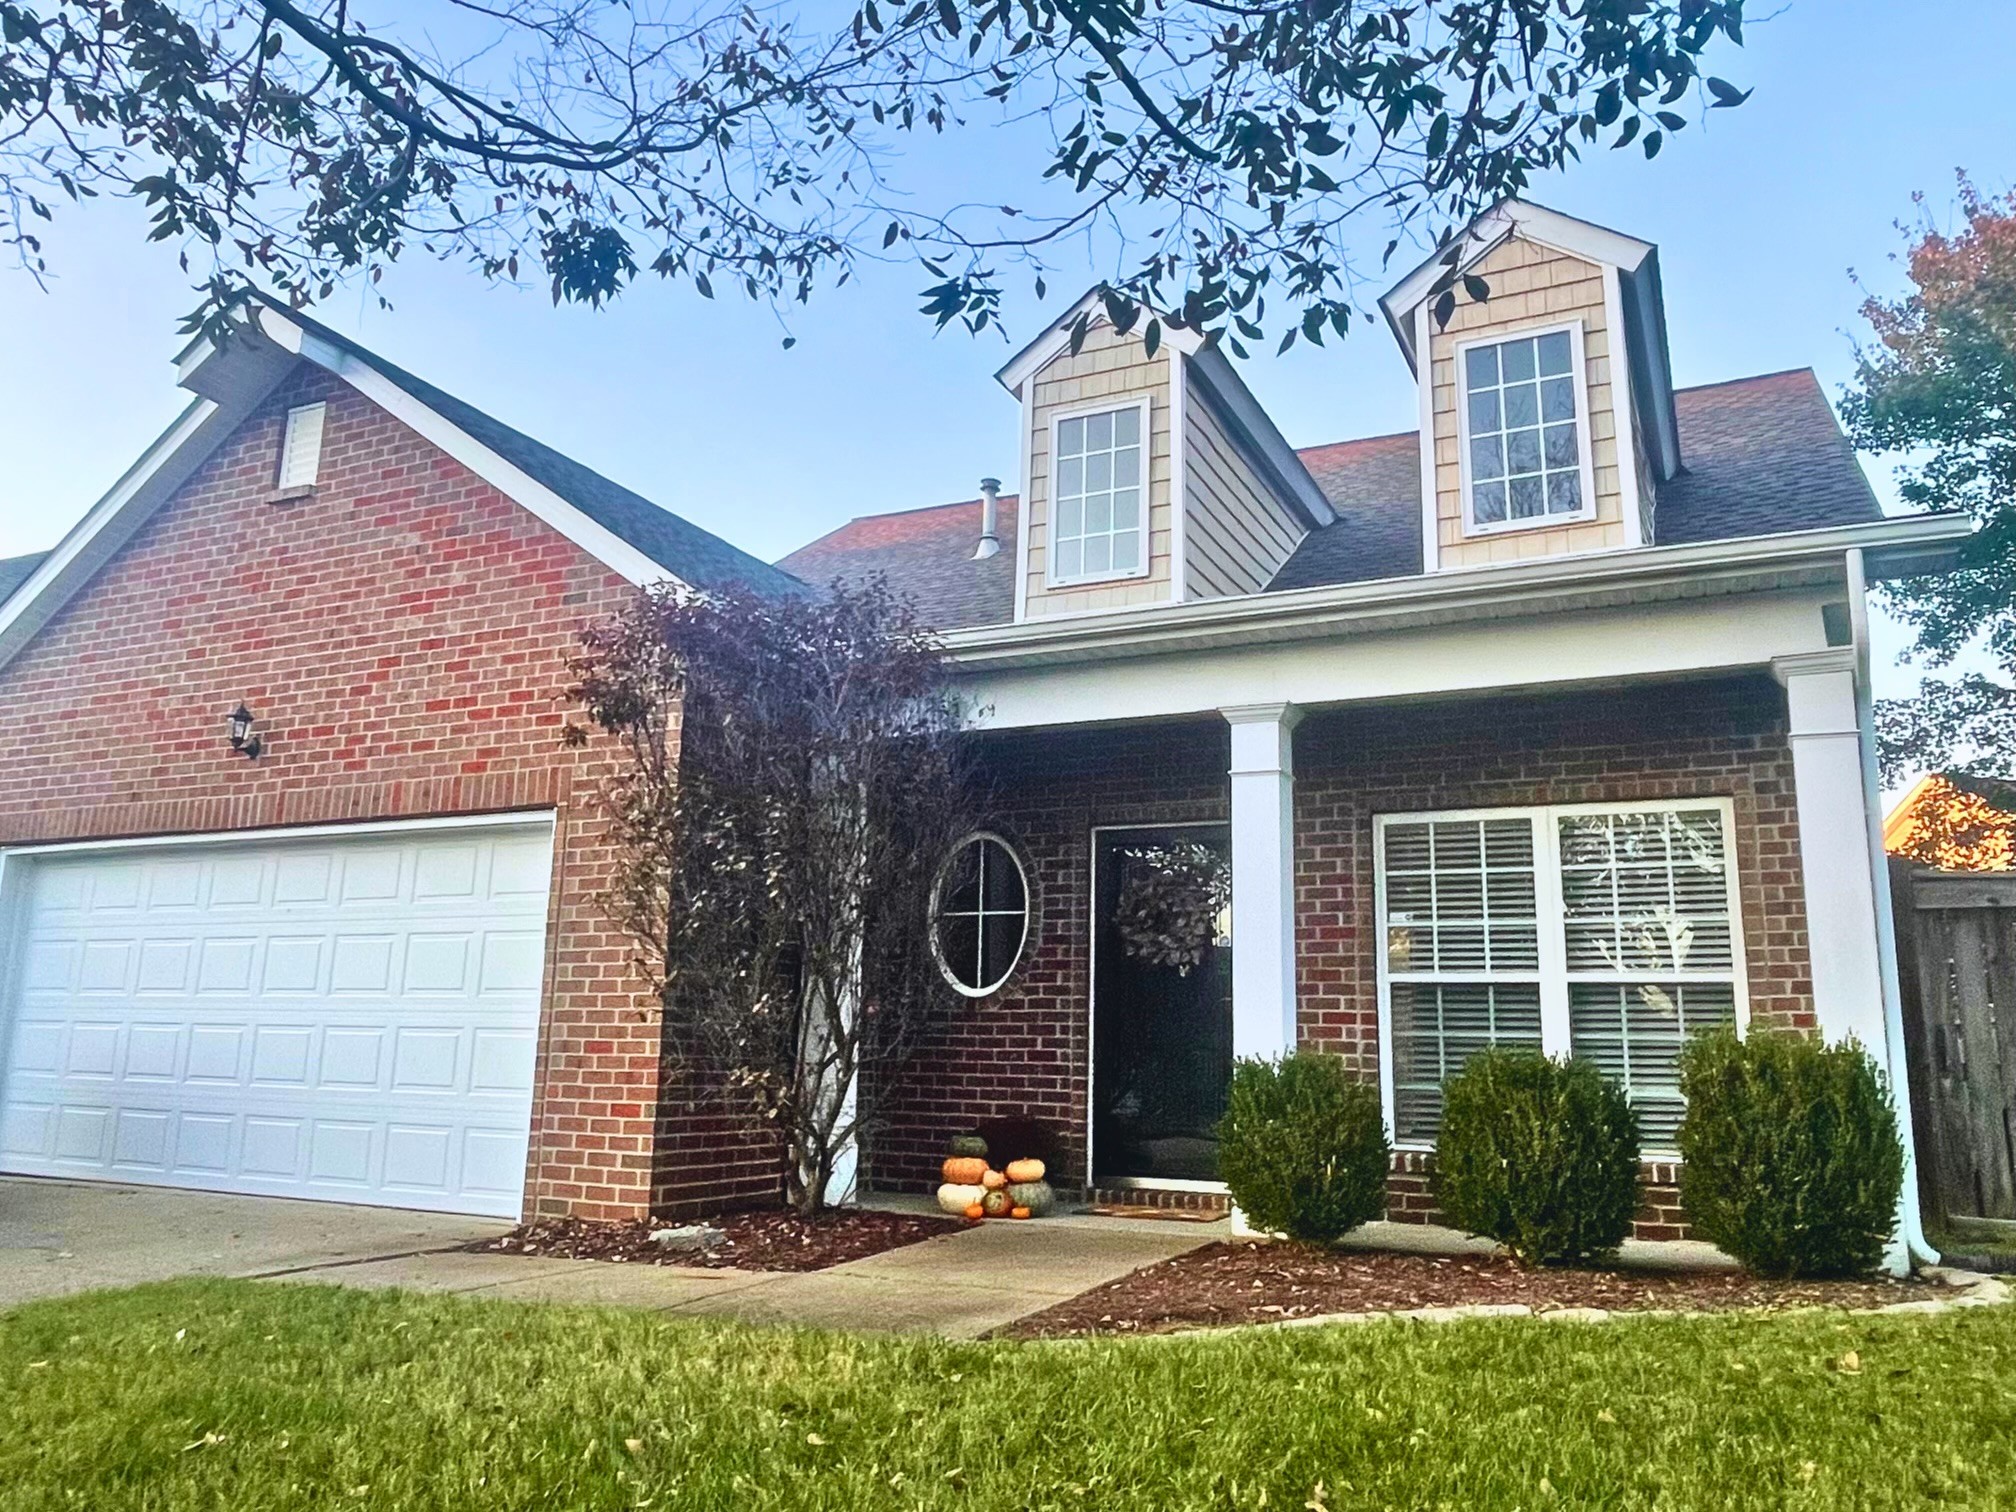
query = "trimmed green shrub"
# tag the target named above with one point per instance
(1539, 1154)
(1793, 1161)
(1303, 1147)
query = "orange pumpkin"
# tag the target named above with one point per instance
(993, 1180)
(976, 1211)
(964, 1170)
(1025, 1170)
(1018, 1212)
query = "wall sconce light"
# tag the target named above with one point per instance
(242, 738)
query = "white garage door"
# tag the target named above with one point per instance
(352, 1019)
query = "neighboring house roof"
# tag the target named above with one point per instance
(1953, 822)
(693, 555)
(926, 554)
(14, 571)
(1762, 456)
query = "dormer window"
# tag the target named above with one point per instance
(1525, 440)
(1099, 527)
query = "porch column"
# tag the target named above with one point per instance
(1263, 878)
(1834, 862)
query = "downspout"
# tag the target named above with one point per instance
(1909, 1220)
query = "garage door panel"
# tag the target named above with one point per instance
(353, 1018)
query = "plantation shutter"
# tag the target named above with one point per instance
(1462, 952)
(1651, 958)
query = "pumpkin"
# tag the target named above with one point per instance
(977, 1210)
(956, 1197)
(964, 1169)
(969, 1144)
(1037, 1196)
(1025, 1170)
(992, 1180)
(1018, 1212)
(995, 1204)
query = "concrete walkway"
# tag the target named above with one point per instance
(58, 1237)
(959, 1285)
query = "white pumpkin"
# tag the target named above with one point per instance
(957, 1196)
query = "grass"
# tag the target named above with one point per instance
(225, 1394)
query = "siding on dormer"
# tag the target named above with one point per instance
(1531, 286)
(1236, 534)
(1115, 367)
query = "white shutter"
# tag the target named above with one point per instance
(301, 450)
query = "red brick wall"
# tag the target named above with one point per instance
(401, 636)
(1027, 1049)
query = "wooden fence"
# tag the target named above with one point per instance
(1956, 963)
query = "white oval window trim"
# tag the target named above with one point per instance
(983, 838)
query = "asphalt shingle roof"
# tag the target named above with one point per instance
(14, 572)
(1759, 455)
(682, 548)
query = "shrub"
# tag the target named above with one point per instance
(1539, 1154)
(1793, 1163)
(1303, 1147)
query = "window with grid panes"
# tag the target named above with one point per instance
(1099, 525)
(1609, 934)
(1522, 415)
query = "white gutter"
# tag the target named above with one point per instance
(1522, 587)
(1910, 1221)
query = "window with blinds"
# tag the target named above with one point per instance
(1610, 934)
(1462, 953)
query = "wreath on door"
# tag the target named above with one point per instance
(1172, 898)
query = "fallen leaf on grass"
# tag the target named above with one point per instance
(209, 1440)
(1849, 1364)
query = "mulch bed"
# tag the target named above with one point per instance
(1221, 1284)
(762, 1240)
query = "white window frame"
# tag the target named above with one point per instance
(290, 474)
(1145, 405)
(937, 896)
(1555, 1036)
(1578, 371)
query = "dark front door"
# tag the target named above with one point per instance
(1161, 1033)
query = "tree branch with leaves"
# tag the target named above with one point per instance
(1220, 159)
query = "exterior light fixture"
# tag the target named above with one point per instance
(242, 738)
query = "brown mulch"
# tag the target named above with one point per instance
(1221, 1284)
(768, 1239)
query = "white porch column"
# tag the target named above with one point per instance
(1263, 878)
(1834, 861)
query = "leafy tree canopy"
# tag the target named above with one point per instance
(1939, 385)
(1213, 152)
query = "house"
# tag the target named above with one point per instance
(1546, 724)
(1955, 823)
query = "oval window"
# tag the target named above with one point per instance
(980, 915)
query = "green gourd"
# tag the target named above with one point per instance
(1037, 1196)
(969, 1145)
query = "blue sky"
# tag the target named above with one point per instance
(1760, 214)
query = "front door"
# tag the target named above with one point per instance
(1161, 1001)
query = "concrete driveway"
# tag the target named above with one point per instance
(61, 1236)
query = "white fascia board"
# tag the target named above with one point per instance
(1056, 337)
(164, 467)
(1592, 648)
(1497, 590)
(1512, 217)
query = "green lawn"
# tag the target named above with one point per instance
(248, 1396)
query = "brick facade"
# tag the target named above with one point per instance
(1027, 1050)
(400, 634)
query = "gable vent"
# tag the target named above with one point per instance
(301, 451)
